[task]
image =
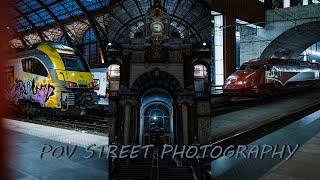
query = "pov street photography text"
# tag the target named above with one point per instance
(178, 151)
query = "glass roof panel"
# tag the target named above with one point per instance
(118, 17)
(132, 8)
(24, 25)
(65, 9)
(72, 7)
(59, 11)
(35, 19)
(27, 6)
(183, 8)
(40, 18)
(23, 7)
(33, 4)
(170, 5)
(144, 5)
(120, 13)
(48, 1)
(45, 16)
(94, 4)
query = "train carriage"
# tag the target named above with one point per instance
(51, 76)
(101, 81)
(264, 77)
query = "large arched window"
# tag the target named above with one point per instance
(156, 116)
(63, 40)
(90, 49)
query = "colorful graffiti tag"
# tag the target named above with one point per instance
(29, 91)
(18, 91)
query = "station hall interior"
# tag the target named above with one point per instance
(178, 72)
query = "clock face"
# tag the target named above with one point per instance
(157, 27)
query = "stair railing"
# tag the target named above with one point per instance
(155, 174)
(194, 173)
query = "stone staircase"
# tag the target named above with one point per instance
(141, 169)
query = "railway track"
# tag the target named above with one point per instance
(88, 123)
(231, 106)
(250, 135)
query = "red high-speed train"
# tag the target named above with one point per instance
(264, 77)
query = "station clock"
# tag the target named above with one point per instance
(157, 27)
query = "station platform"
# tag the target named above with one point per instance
(28, 140)
(239, 121)
(304, 164)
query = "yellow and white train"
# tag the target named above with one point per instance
(51, 76)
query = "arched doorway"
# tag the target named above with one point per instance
(156, 112)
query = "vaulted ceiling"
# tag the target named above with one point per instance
(34, 21)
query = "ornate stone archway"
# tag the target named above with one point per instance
(127, 124)
(154, 79)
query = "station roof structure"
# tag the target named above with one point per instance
(33, 21)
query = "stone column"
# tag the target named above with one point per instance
(126, 128)
(134, 123)
(203, 120)
(185, 123)
(177, 123)
(229, 38)
(188, 68)
(193, 130)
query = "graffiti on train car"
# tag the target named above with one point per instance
(30, 91)
(18, 91)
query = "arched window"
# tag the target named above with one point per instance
(90, 50)
(156, 116)
(63, 40)
(200, 77)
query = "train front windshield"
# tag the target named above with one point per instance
(243, 67)
(73, 62)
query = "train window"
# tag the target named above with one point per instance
(304, 64)
(74, 63)
(267, 67)
(34, 66)
(255, 67)
(243, 67)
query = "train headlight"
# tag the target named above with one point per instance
(241, 82)
(72, 84)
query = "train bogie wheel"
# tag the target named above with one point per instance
(31, 110)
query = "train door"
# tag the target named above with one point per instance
(101, 84)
